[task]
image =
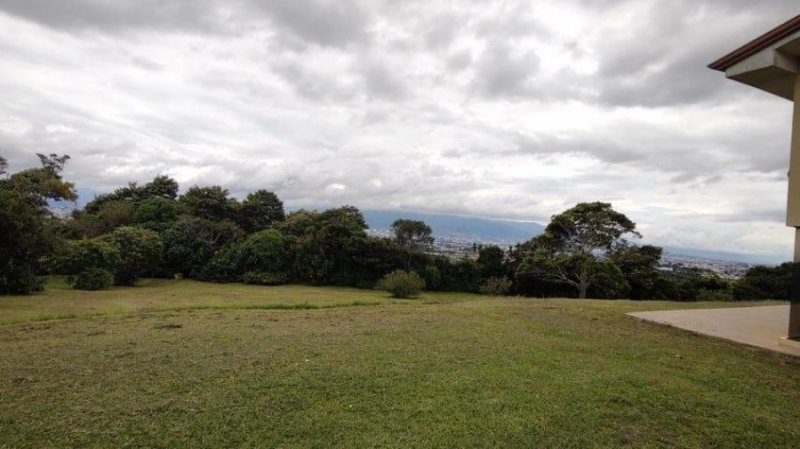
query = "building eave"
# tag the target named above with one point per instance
(760, 43)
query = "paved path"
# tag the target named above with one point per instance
(761, 326)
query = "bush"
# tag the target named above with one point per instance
(402, 284)
(715, 295)
(90, 263)
(264, 278)
(92, 279)
(762, 282)
(496, 286)
(264, 251)
(223, 266)
(140, 253)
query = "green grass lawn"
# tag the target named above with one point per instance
(184, 364)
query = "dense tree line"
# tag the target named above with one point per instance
(206, 234)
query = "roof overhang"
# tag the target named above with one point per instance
(770, 62)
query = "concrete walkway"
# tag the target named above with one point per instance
(761, 326)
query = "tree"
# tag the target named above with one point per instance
(490, 261)
(191, 242)
(412, 235)
(639, 264)
(587, 228)
(140, 253)
(157, 213)
(260, 210)
(762, 282)
(90, 263)
(264, 251)
(24, 216)
(116, 213)
(160, 187)
(211, 203)
(326, 251)
(575, 242)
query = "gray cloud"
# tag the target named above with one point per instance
(322, 22)
(102, 15)
(491, 108)
(500, 74)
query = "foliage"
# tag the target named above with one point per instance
(140, 253)
(573, 248)
(25, 235)
(496, 286)
(206, 234)
(639, 265)
(715, 295)
(157, 213)
(210, 203)
(264, 251)
(402, 284)
(491, 261)
(432, 276)
(412, 235)
(91, 263)
(80, 255)
(587, 228)
(609, 282)
(260, 210)
(762, 282)
(191, 242)
(264, 278)
(92, 279)
(160, 187)
(224, 265)
(325, 252)
(460, 275)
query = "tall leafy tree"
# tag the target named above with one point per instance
(210, 203)
(413, 236)
(574, 244)
(24, 215)
(161, 186)
(325, 252)
(491, 261)
(260, 210)
(264, 251)
(191, 242)
(639, 264)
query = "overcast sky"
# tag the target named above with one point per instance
(496, 109)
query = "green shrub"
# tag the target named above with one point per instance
(496, 286)
(264, 251)
(715, 295)
(92, 279)
(402, 284)
(140, 253)
(223, 266)
(264, 278)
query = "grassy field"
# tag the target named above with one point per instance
(177, 364)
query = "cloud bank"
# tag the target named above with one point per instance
(496, 109)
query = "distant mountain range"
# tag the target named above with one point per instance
(509, 232)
